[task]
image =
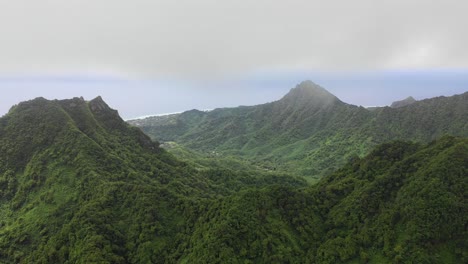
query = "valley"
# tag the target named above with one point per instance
(309, 132)
(80, 185)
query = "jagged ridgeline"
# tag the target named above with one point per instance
(78, 184)
(309, 131)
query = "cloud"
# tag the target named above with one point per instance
(208, 39)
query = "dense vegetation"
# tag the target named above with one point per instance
(78, 185)
(403, 203)
(309, 131)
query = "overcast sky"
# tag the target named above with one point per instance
(148, 57)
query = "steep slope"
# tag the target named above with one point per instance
(309, 131)
(403, 203)
(82, 185)
(78, 185)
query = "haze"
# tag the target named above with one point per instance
(150, 57)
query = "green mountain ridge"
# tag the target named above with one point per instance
(309, 131)
(79, 185)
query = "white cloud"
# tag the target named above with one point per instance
(208, 38)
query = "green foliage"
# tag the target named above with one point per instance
(404, 200)
(309, 132)
(78, 185)
(403, 203)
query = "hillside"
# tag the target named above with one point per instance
(403, 203)
(79, 185)
(309, 131)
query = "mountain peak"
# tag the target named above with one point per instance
(409, 100)
(310, 92)
(98, 104)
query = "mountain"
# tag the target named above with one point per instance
(310, 94)
(309, 131)
(79, 185)
(405, 102)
